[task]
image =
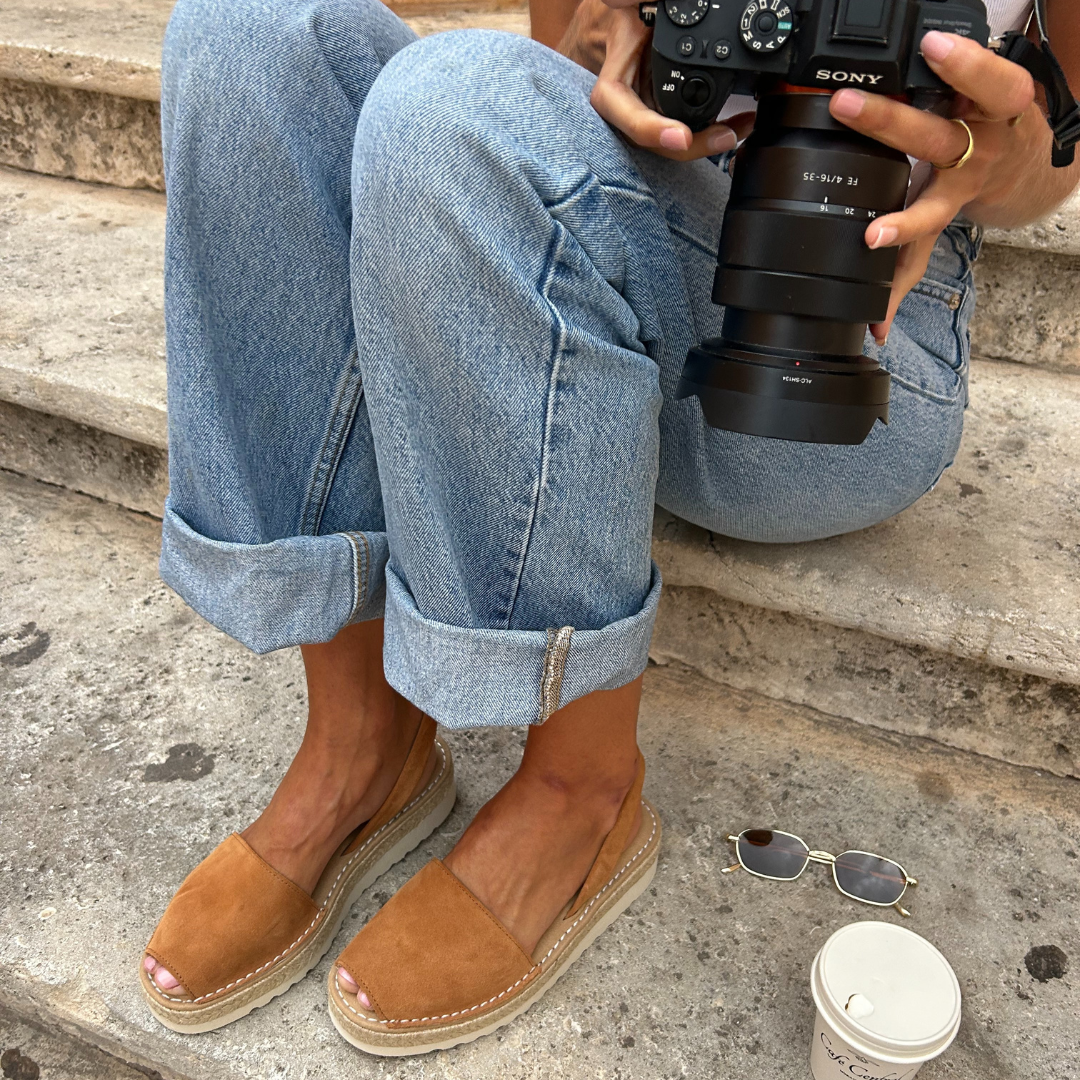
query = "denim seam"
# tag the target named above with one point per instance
(361, 564)
(558, 647)
(699, 244)
(558, 344)
(922, 391)
(342, 416)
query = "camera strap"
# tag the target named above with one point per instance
(1040, 61)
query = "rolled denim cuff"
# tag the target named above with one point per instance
(466, 678)
(295, 591)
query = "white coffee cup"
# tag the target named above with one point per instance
(887, 1001)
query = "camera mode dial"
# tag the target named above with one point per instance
(765, 25)
(686, 12)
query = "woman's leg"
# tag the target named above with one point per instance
(274, 523)
(514, 281)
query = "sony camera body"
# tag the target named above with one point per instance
(705, 50)
(794, 274)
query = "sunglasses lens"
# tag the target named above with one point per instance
(772, 854)
(869, 877)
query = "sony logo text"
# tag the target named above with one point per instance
(847, 76)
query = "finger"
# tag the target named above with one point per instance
(921, 134)
(910, 267)
(927, 215)
(621, 3)
(614, 99)
(623, 109)
(741, 123)
(999, 88)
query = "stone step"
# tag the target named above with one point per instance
(956, 620)
(82, 374)
(136, 737)
(80, 82)
(79, 85)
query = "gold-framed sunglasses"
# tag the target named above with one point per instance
(860, 875)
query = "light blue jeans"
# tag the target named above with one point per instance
(426, 313)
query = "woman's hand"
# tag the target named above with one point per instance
(608, 38)
(1008, 155)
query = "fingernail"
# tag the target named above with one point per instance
(882, 341)
(721, 141)
(673, 138)
(886, 235)
(936, 45)
(848, 103)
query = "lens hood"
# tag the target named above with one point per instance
(817, 401)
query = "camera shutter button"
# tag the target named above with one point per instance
(696, 91)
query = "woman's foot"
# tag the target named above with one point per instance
(357, 739)
(530, 848)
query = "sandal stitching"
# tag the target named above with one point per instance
(532, 971)
(325, 903)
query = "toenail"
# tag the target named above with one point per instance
(149, 963)
(363, 999)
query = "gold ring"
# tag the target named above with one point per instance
(966, 155)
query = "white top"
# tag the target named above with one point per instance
(1005, 15)
(1001, 15)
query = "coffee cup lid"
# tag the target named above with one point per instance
(886, 988)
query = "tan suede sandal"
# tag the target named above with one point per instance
(440, 969)
(238, 933)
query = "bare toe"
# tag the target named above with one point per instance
(350, 986)
(162, 976)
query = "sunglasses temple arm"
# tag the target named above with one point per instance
(731, 869)
(903, 911)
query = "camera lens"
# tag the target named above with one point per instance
(798, 282)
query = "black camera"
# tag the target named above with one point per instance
(797, 280)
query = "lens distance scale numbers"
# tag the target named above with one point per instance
(765, 25)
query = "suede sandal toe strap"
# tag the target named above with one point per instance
(432, 946)
(438, 968)
(238, 932)
(258, 915)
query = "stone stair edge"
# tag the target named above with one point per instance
(134, 69)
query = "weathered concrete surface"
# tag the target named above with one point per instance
(83, 458)
(1027, 308)
(908, 689)
(105, 674)
(80, 82)
(114, 46)
(984, 567)
(1059, 232)
(81, 335)
(81, 134)
(26, 1046)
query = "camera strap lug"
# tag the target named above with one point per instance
(1040, 61)
(647, 13)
